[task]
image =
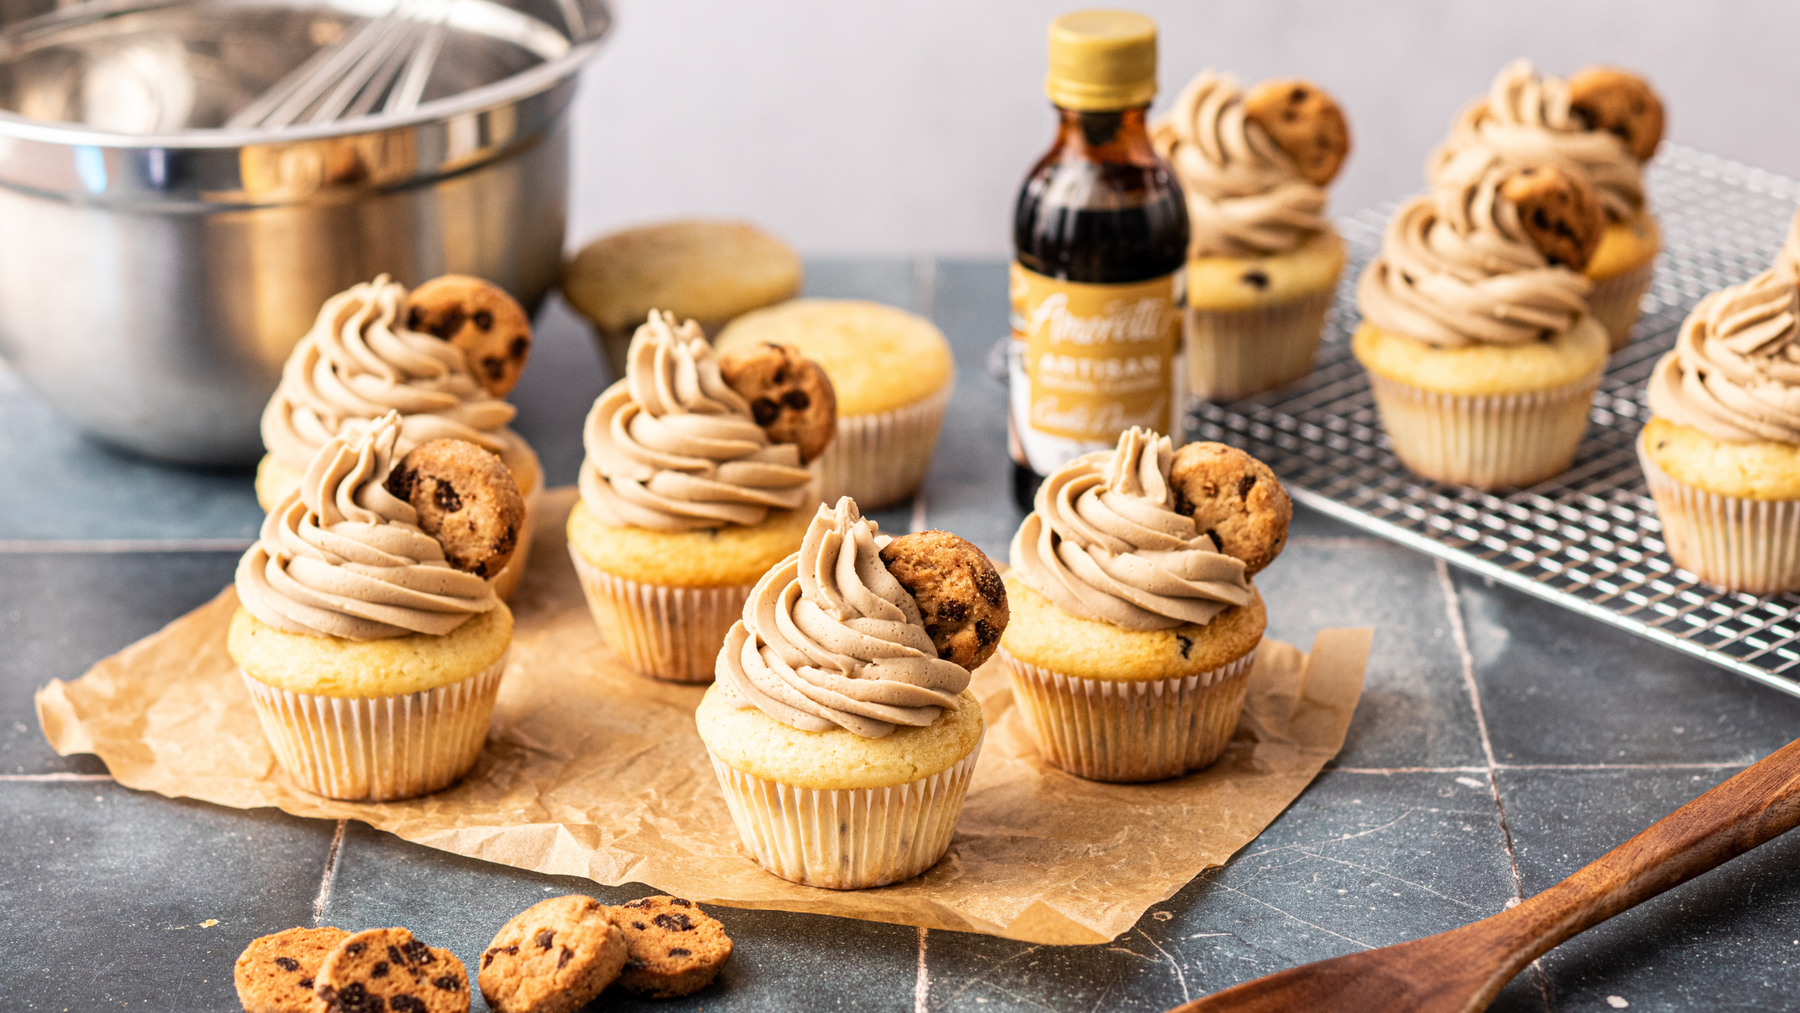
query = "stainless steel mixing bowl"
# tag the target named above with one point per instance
(156, 269)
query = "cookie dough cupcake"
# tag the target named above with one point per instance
(893, 373)
(1476, 332)
(442, 356)
(1721, 452)
(373, 658)
(1263, 260)
(685, 499)
(841, 725)
(1602, 124)
(1134, 621)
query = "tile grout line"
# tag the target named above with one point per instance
(922, 983)
(26, 546)
(331, 859)
(1384, 771)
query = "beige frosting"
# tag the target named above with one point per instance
(672, 447)
(830, 639)
(1525, 120)
(1735, 369)
(1106, 543)
(1245, 196)
(341, 557)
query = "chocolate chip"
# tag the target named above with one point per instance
(678, 902)
(304, 983)
(484, 320)
(353, 998)
(633, 962)
(676, 951)
(407, 1004)
(953, 611)
(1245, 484)
(932, 630)
(764, 410)
(1297, 95)
(544, 938)
(415, 319)
(673, 922)
(400, 482)
(991, 587)
(447, 325)
(418, 952)
(354, 948)
(494, 367)
(448, 983)
(520, 345)
(985, 633)
(640, 926)
(1187, 644)
(797, 400)
(287, 963)
(446, 498)
(380, 970)
(395, 955)
(563, 957)
(636, 903)
(488, 958)
(1256, 279)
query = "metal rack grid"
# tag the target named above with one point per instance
(1589, 539)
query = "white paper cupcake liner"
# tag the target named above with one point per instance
(1130, 730)
(1234, 354)
(1490, 441)
(881, 459)
(1748, 545)
(376, 749)
(669, 633)
(506, 582)
(850, 838)
(1616, 302)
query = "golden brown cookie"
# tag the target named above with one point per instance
(960, 594)
(1620, 103)
(466, 499)
(1303, 121)
(675, 948)
(381, 970)
(275, 973)
(789, 394)
(553, 957)
(478, 317)
(1558, 211)
(1234, 499)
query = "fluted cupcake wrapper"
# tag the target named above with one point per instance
(1234, 354)
(1617, 301)
(669, 633)
(506, 582)
(1488, 441)
(1130, 730)
(848, 838)
(376, 749)
(881, 459)
(1749, 545)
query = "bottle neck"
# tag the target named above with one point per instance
(1117, 136)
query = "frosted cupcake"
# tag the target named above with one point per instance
(1721, 452)
(1476, 335)
(1602, 124)
(372, 661)
(1134, 621)
(685, 501)
(376, 348)
(1263, 260)
(841, 726)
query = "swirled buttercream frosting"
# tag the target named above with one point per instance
(342, 557)
(1735, 370)
(829, 639)
(1106, 543)
(1245, 196)
(673, 447)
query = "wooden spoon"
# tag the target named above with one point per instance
(1461, 971)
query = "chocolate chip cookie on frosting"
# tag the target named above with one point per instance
(833, 697)
(685, 501)
(1263, 259)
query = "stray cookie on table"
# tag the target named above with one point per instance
(275, 973)
(675, 948)
(382, 970)
(553, 957)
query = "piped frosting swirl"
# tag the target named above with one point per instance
(1735, 370)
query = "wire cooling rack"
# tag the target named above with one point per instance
(1589, 539)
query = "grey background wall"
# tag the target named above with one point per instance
(904, 127)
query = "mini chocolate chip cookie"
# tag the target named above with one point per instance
(1620, 103)
(1234, 499)
(960, 594)
(789, 394)
(478, 317)
(379, 970)
(1559, 212)
(1303, 121)
(553, 957)
(275, 973)
(675, 948)
(466, 499)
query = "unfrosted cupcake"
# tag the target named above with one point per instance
(841, 726)
(1263, 260)
(685, 502)
(1602, 124)
(1476, 334)
(1721, 452)
(1134, 622)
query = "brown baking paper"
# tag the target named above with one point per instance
(593, 771)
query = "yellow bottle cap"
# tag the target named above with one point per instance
(1102, 60)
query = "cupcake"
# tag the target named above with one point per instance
(1476, 335)
(708, 271)
(1721, 452)
(372, 658)
(841, 725)
(685, 498)
(1263, 260)
(1602, 124)
(1134, 621)
(893, 373)
(442, 356)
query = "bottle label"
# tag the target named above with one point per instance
(1089, 362)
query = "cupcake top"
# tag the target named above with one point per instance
(831, 639)
(1735, 370)
(880, 358)
(672, 447)
(343, 557)
(1107, 542)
